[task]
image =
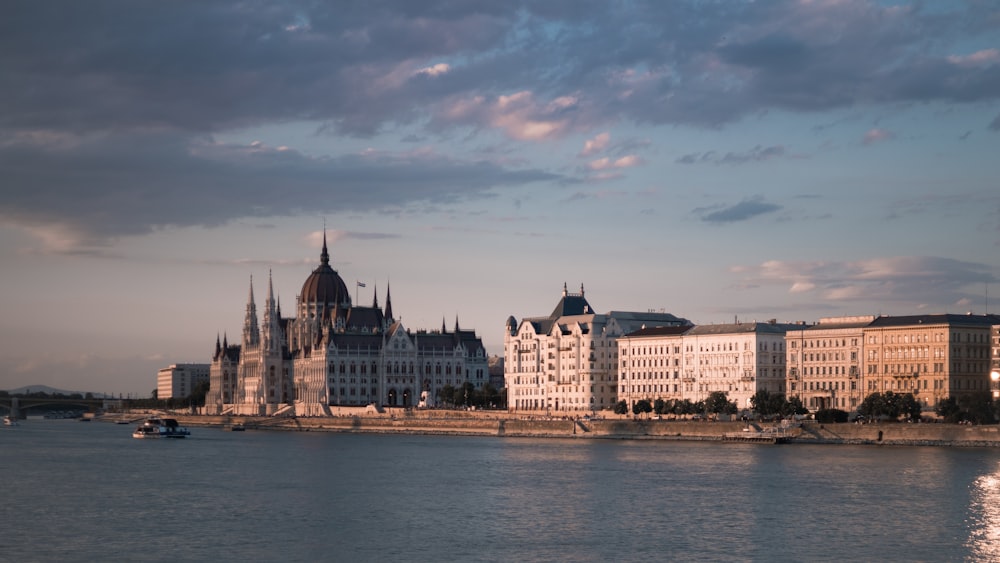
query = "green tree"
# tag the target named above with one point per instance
(793, 406)
(197, 396)
(948, 409)
(910, 407)
(765, 404)
(718, 402)
(659, 406)
(978, 407)
(446, 395)
(642, 406)
(621, 407)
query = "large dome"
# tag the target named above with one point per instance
(324, 284)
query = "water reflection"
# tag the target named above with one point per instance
(984, 517)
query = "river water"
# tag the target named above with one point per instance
(72, 491)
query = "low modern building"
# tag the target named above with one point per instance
(567, 361)
(179, 380)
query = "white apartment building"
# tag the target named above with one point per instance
(651, 365)
(178, 380)
(567, 361)
(739, 359)
(825, 362)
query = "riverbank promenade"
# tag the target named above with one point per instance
(509, 425)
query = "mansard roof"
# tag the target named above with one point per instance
(571, 305)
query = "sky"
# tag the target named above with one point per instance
(717, 160)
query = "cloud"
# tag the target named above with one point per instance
(82, 198)
(995, 124)
(756, 154)
(519, 115)
(435, 70)
(204, 67)
(595, 145)
(742, 211)
(627, 161)
(876, 135)
(986, 57)
(906, 281)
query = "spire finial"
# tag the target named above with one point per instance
(324, 256)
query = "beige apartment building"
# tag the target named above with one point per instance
(567, 361)
(825, 362)
(931, 356)
(995, 367)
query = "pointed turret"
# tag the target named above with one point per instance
(271, 329)
(375, 301)
(218, 347)
(456, 324)
(251, 332)
(444, 329)
(388, 306)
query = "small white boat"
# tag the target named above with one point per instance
(160, 428)
(9, 421)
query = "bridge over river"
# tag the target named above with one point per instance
(21, 406)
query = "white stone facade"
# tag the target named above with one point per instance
(739, 359)
(567, 362)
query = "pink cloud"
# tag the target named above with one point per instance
(876, 135)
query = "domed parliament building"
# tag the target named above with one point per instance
(335, 353)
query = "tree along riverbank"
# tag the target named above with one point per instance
(497, 424)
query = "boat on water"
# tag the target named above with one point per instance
(160, 428)
(9, 421)
(236, 427)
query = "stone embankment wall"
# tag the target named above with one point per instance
(496, 424)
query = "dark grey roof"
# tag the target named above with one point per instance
(364, 318)
(742, 328)
(827, 326)
(571, 305)
(945, 318)
(357, 340)
(660, 331)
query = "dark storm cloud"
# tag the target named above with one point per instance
(756, 154)
(742, 211)
(98, 189)
(206, 66)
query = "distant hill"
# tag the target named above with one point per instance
(46, 389)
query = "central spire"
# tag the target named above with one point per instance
(324, 256)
